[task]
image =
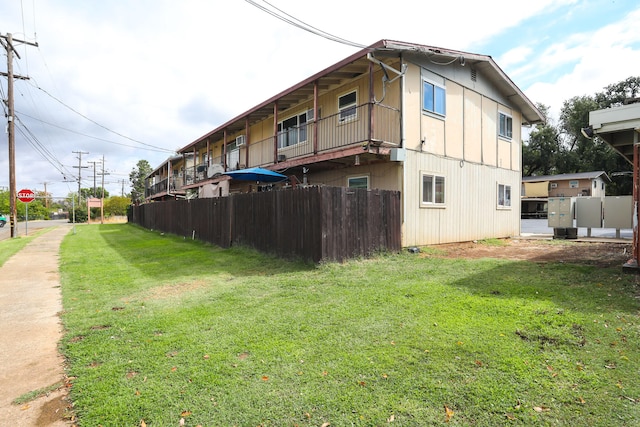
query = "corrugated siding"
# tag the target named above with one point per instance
(470, 211)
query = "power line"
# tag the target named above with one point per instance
(162, 150)
(289, 19)
(100, 125)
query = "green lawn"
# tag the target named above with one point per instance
(160, 329)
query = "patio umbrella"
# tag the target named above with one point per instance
(256, 174)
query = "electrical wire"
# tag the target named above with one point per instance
(100, 125)
(89, 136)
(289, 19)
(44, 152)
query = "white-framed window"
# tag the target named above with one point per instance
(432, 189)
(554, 185)
(505, 125)
(595, 184)
(347, 106)
(434, 98)
(293, 130)
(573, 184)
(504, 196)
(361, 181)
(233, 156)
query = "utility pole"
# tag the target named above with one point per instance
(7, 42)
(102, 199)
(46, 196)
(80, 167)
(94, 177)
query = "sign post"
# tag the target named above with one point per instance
(26, 196)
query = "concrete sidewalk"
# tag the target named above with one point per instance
(30, 330)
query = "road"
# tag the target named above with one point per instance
(30, 227)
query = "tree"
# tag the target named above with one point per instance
(116, 205)
(86, 193)
(137, 178)
(540, 152)
(616, 94)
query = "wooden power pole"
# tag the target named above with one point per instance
(7, 42)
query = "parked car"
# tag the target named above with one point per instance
(3, 220)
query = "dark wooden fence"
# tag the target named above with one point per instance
(314, 223)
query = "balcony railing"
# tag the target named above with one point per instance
(367, 124)
(175, 183)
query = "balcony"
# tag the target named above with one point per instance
(366, 126)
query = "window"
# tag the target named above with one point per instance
(433, 98)
(358, 182)
(505, 128)
(595, 184)
(573, 184)
(504, 196)
(347, 106)
(554, 185)
(294, 129)
(432, 189)
(233, 156)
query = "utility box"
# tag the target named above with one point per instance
(560, 212)
(618, 212)
(589, 212)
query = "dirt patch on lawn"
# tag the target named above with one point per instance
(603, 254)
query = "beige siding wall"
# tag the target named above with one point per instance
(464, 148)
(471, 210)
(472, 126)
(454, 124)
(489, 132)
(383, 176)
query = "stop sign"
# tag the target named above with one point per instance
(26, 196)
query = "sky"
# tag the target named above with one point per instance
(130, 80)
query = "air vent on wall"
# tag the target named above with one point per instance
(474, 75)
(240, 140)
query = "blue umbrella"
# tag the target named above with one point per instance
(256, 174)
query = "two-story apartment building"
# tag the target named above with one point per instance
(443, 127)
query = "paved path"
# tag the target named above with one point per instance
(30, 329)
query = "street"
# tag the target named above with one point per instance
(24, 228)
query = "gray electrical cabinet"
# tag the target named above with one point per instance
(589, 212)
(560, 212)
(618, 212)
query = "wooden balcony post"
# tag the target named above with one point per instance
(315, 117)
(275, 132)
(371, 101)
(224, 149)
(246, 147)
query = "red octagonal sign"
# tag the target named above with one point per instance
(26, 196)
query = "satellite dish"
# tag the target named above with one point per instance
(214, 170)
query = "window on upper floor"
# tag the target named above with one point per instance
(347, 106)
(504, 196)
(293, 130)
(505, 125)
(433, 190)
(574, 184)
(433, 98)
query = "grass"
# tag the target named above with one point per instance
(11, 246)
(160, 329)
(35, 394)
